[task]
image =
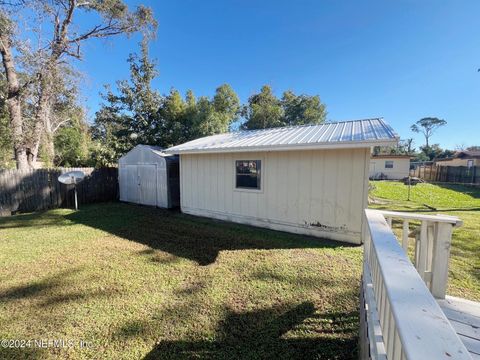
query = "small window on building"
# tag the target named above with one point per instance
(469, 163)
(248, 174)
(389, 164)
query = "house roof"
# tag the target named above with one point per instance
(392, 156)
(465, 154)
(347, 134)
(468, 154)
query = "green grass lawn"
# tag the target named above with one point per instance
(136, 282)
(457, 200)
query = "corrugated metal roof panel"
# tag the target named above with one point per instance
(357, 133)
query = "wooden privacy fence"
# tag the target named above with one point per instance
(39, 189)
(453, 174)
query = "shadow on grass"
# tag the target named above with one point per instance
(50, 291)
(262, 334)
(194, 238)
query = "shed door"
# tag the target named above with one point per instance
(131, 182)
(147, 180)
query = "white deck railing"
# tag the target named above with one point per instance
(400, 319)
(432, 246)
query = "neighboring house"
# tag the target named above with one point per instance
(462, 158)
(149, 177)
(303, 179)
(389, 167)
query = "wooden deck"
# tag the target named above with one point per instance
(464, 315)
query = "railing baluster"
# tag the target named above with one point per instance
(405, 235)
(441, 253)
(422, 256)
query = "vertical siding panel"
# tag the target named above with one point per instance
(192, 181)
(356, 183)
(228, 183)
(262, 200)
(270, 188)
(221, 182)
(318, 186)
(190, 184)
(201, 193)
(211, 179)
(236, 206)
(329, 187)
(280, 186)
(303, 185)
(344, 179)
(185, 173)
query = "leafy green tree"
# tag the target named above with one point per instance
(189, 118)
(436, 152)
(130, 115)
(302, 109)
(263, 111)
(73, 142)
(427, 126)
(226, 105)
(172, 114)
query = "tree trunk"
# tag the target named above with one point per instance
(43, 127)
(14, 102)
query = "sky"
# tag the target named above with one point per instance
(400, 60)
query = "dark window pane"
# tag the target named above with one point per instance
(247, 181)
(248, 174)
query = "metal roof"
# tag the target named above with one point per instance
(347, 134)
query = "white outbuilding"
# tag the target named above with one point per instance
(389, 167)
(304, 179)
(150, 177)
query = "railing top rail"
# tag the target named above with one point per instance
(415, 216)
(424, 331)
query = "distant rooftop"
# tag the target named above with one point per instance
(346, 134)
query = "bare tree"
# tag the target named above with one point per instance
(59, 39)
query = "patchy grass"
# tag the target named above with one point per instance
(137, 282)
(458, 200)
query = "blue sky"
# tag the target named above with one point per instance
(401, 60)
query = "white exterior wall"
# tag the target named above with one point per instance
(401, 168)
(143, 178)
(315, 192)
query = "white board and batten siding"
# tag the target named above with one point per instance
(314, 192)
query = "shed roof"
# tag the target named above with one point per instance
(347, 134)
(156, 151)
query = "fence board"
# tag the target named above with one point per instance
(39, 189)
(452, 174)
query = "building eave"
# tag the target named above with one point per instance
(293, 147)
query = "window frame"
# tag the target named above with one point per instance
(388, 161)
(262, 173)
(470, 163)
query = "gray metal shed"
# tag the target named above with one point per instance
(150, 177)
